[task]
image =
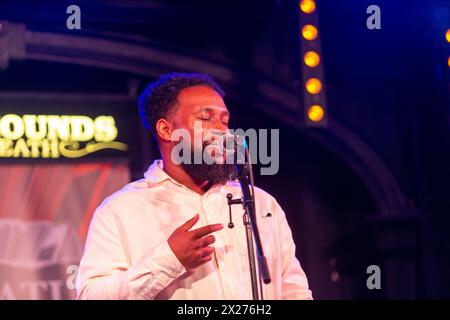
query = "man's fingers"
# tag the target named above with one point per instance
(205, 252)
(203, 231)
(190, 223)
(205, 259)
(205, 241)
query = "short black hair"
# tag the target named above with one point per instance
(158, 99)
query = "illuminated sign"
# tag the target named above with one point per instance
(55, 136)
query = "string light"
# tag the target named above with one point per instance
(308, 6)
(312, 59)
(316, 113)
(313, 85)
(309, 32)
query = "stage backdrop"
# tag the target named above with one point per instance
(44, 218)
(60, 157)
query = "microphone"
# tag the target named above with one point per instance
(224, 143)
(228, 142)
(232, 145)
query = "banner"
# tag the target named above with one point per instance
(60, 156)
(44, 217)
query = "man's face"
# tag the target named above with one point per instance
(202, 109)
(203, 105)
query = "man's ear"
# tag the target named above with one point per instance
(164, 130)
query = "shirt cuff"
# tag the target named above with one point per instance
(164, 257)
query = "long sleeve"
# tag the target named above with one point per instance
(106, 273)
(294, 280)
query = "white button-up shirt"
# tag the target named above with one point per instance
(127, 256)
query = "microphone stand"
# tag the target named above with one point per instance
(245, 177)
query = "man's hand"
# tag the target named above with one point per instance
(192, 248)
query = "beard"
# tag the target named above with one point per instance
(214, 173)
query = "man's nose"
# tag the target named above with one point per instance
(219, 127)
(219, 132)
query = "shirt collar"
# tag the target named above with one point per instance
(155, 172)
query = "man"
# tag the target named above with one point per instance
(163, 237)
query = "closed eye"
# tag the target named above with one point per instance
(225, 120)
